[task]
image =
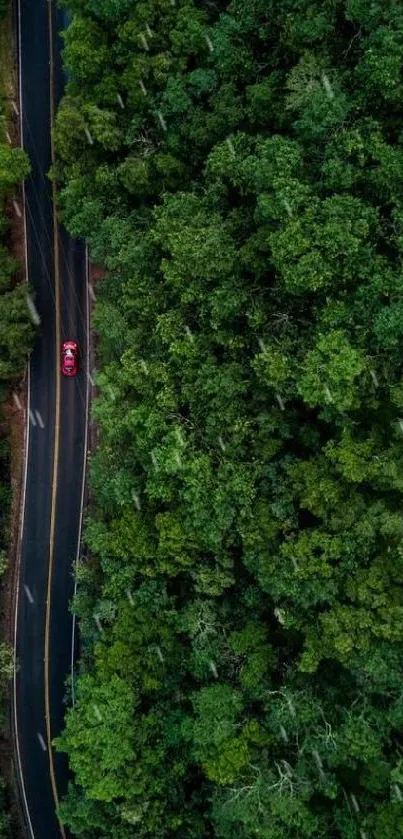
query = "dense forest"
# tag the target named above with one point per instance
(237, 171)
(16, 332)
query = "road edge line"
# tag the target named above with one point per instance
(57, 425)
(83, 485)
(25, 473)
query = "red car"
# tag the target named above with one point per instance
(69, 358)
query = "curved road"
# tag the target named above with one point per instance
(56, 441)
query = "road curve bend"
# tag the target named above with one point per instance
(56, 439)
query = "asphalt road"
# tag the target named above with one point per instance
(30, 702)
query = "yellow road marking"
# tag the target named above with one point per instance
(57, 429)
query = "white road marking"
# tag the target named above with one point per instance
(41, 740)
(17, 209)
(86, 453)
(91, 291)
(40, 420)
(28, 593)
(15, 109)
(31, 416)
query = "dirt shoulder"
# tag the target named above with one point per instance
(12, 412)
(14, 417)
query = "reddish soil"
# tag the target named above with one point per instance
(12, 420)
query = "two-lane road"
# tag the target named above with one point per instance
(56, 440)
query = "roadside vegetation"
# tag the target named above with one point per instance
(16, 331)
(237, 169)
(16, 334)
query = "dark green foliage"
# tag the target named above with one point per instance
(16, 330)
(246, 532)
